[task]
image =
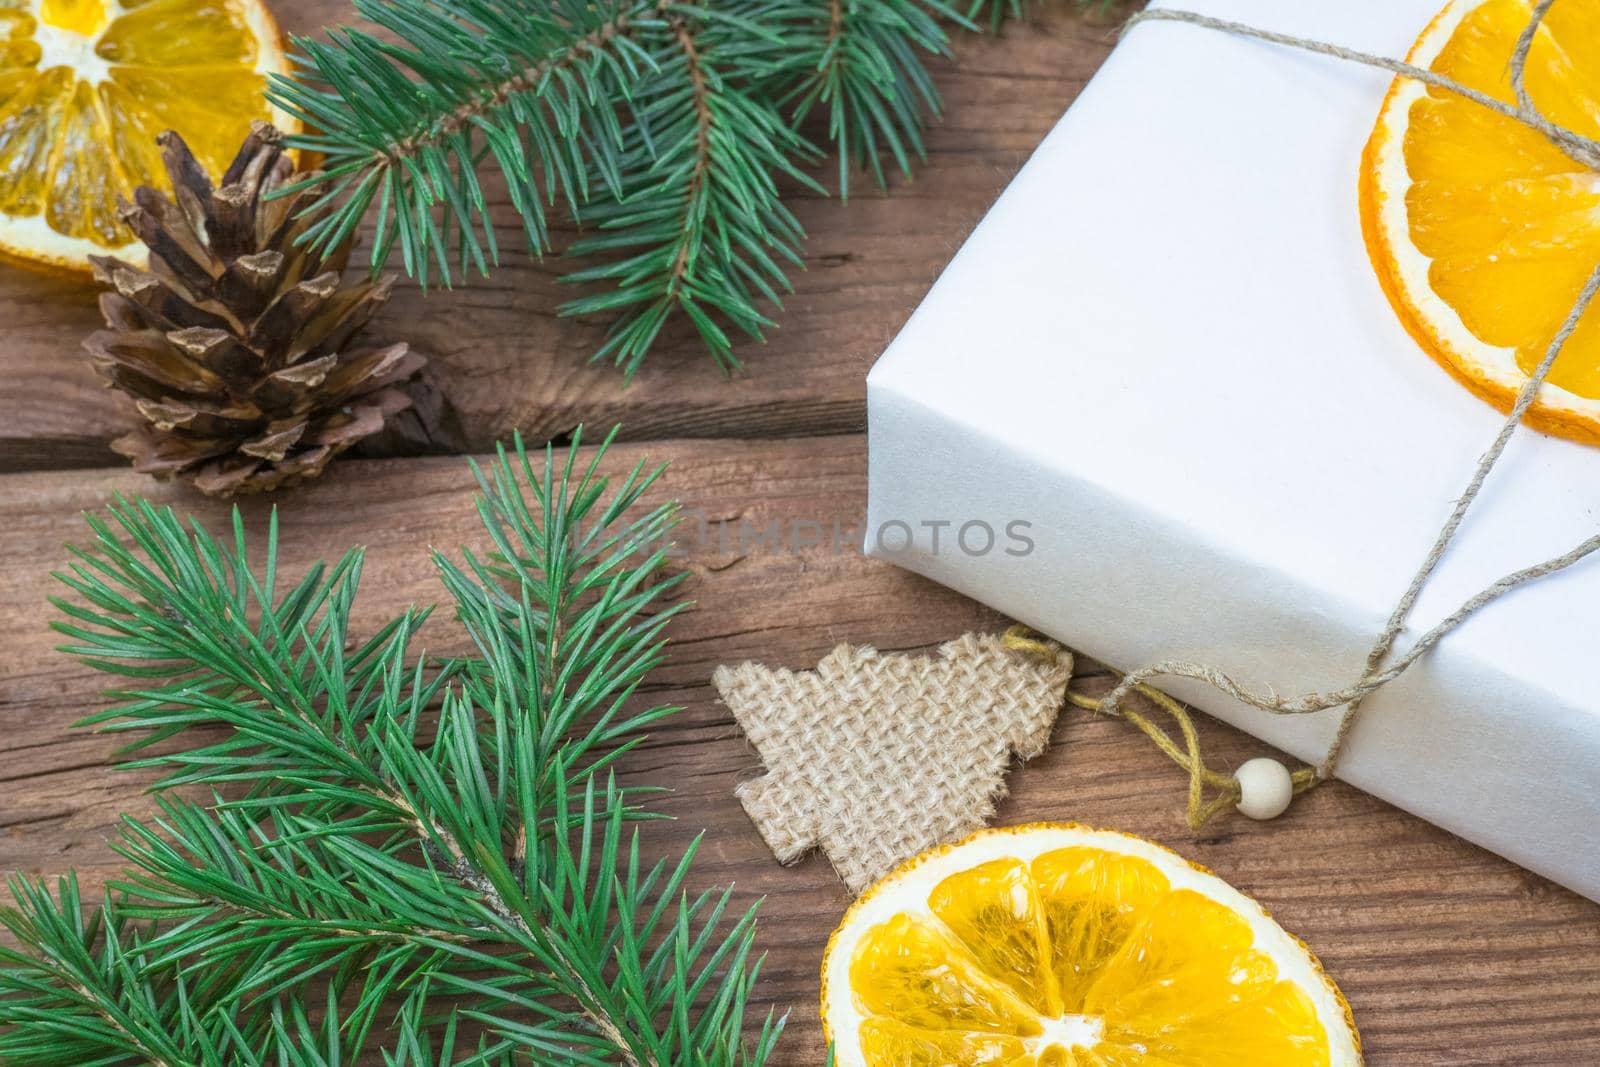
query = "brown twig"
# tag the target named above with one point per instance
(702, 166)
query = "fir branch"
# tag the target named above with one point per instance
(79, 992)
(699, 228)
(418, 876)
(532, 86)
(863, 61)
(663, 127)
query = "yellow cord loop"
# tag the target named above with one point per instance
(1187, 755)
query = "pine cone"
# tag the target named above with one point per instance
(236, 342)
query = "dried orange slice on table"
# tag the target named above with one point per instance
(1054, 945)
(1482, 231)
(85, 88)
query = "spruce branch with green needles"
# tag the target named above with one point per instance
(668, 129)
(425, 860)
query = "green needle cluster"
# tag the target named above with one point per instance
(366, 855)
(669, 131)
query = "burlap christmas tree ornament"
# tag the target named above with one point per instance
(874, 758)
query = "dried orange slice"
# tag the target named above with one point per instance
(85, 87)
(1054, 945)
(1481, 230)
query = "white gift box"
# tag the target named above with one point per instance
(1165, 362)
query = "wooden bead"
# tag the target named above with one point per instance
(1265, 788)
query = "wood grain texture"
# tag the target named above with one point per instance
(1448, 954)
(503, 359)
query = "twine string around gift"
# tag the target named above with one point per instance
(1379, 670)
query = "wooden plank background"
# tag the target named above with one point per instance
(1449, 955)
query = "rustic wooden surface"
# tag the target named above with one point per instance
(1449, 955)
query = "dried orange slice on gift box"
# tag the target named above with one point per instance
(85, 88)
(1482, 230)
(1054, 945)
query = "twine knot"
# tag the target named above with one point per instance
(1225, 789)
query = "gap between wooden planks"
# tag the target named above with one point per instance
(1449, 955)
